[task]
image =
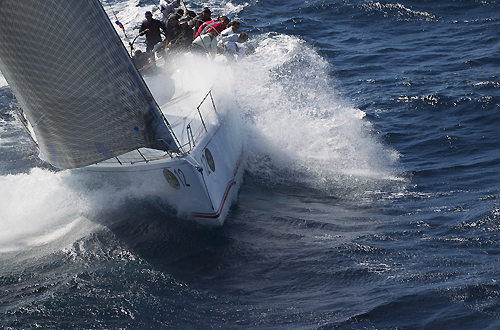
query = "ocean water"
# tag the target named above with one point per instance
(370, 197)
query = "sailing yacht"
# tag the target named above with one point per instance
(87, 107)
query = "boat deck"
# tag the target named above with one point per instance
(187, 112)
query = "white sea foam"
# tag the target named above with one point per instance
(36, 208)
(44, 207)
(299, 121)
(402, 12)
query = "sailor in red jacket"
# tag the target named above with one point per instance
(214, 26)
(217, 28)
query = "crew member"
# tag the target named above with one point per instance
(152, 29)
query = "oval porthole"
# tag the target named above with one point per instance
(210, 160)
(172, 179)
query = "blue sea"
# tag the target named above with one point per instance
(370, 198)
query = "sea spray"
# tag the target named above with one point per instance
(42, 206)
(298, 121)
(37, 208)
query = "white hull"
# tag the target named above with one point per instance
(92, 104)
(203, 183)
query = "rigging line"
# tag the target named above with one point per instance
(205, 46)
(118, 23)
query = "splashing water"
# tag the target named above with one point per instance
(298, 121)
(38, 208)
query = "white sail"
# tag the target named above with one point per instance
(76, 83)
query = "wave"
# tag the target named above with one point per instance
(398, 11)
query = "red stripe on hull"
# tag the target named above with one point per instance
(228, 188)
